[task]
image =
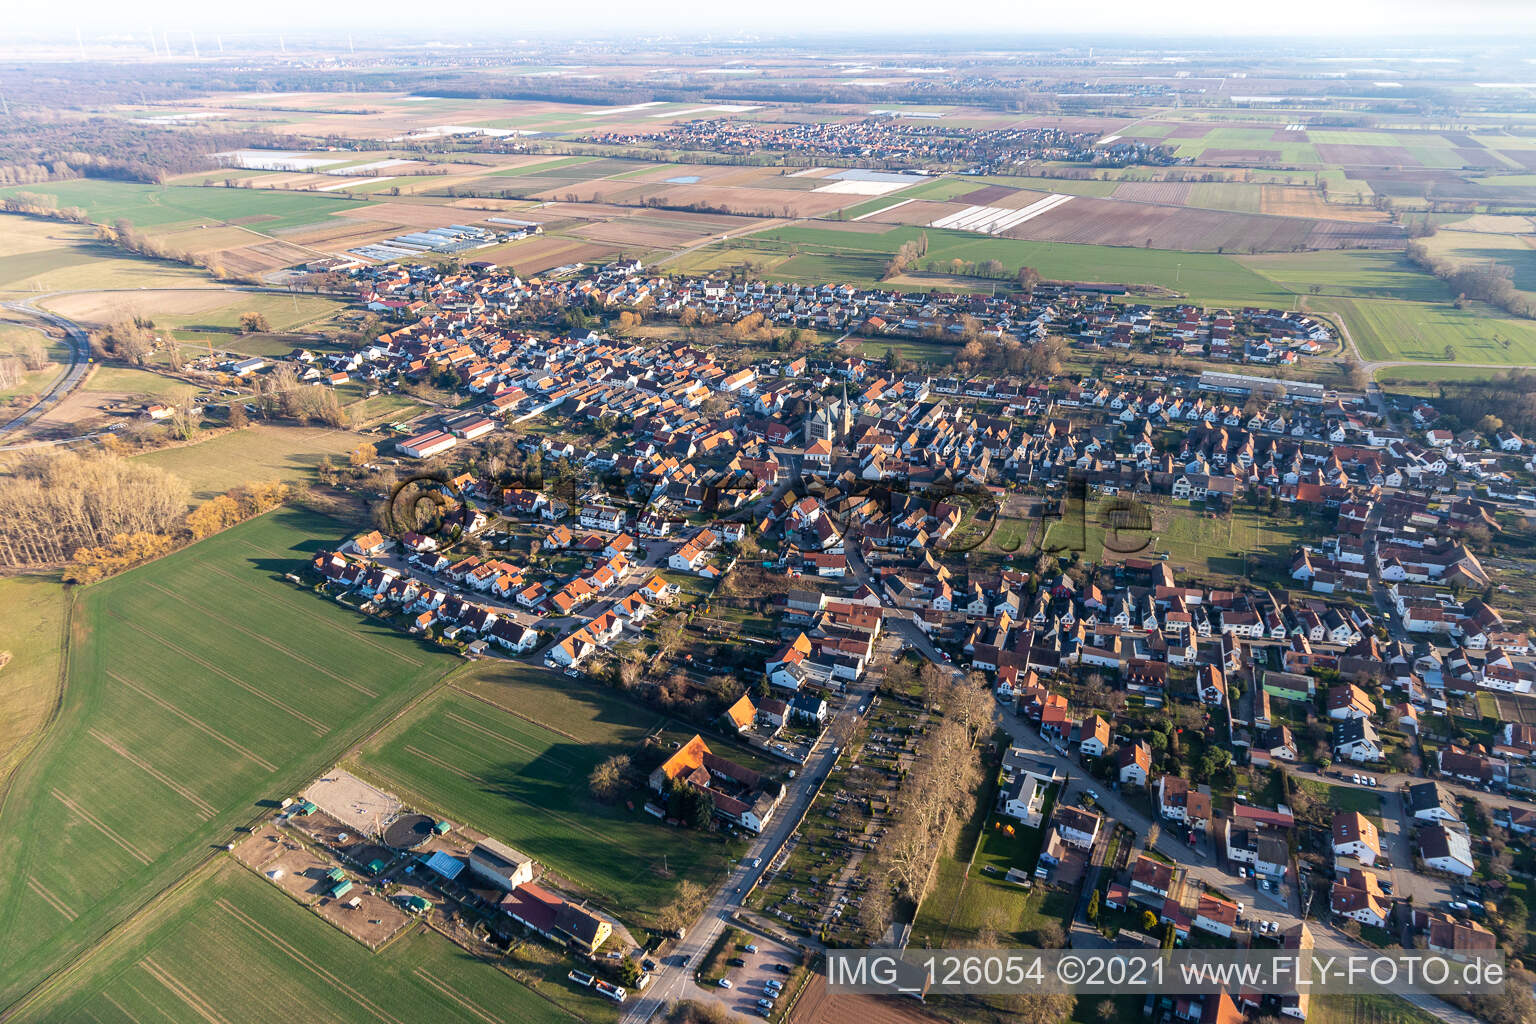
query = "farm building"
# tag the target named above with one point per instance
(424, 446)
(500, 865)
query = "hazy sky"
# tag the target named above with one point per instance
(1319, 18)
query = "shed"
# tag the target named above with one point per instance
(441, 828)
(336, 875)
(418, 905)
(308, 807)
(444, 864)
(340, 889)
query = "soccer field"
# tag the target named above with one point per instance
(197, 686)
(233, 948)
(522, 778)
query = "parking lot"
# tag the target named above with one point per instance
(747, 981)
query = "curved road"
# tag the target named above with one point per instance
(79, 345)
(79, 363)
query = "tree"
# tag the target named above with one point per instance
(1028, 279)
(686, 905)
(1040, 1008)
(1050, 936)
(692, 806)
(1106, 1010)
(610, 778)
(237, 415)
(363, 454)
(1093, 907)
(254, 323)
(1148, 921)
(1154, 832)
(1356, 374)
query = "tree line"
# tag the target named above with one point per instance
(97, 513)
(52, 147)
(1488, 281)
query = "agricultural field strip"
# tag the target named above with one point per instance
(283, 649)
(364, 640)
(994, 220)
(96, 823)
(181, 991)
(449, 993)
(204, 808)
(330, 979)
(319, 727)
(51, 899)
(195, 723)
(883, 209)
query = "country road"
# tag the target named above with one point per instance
(79, 363)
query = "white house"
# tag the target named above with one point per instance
(1446, 849)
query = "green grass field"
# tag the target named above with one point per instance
(197, 686)
(234, 948)
(1344, 798)
(1353, 274)
(32, 634)
(152, 207)
(1385, 330)
(130, 381)
(1236, 196)
(1197, 544)
(1367, 1009)
(860, 257)
(519, 772)
(283, 313)
(14, 336)
(259, 452)
(40, 255)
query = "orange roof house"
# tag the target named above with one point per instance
(742, 714)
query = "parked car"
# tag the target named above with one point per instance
(736, 961)
(725, 982)
(781, 968)
(750, 947)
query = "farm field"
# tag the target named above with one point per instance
(510, 757)
(197, 686)
(32, 633)
(1206, 277)
(205, 309)
(150, 207)
(256, 453)
(1356, 274)
(1507, 248)
(1387, 330)
(232, 947)
(43, 255)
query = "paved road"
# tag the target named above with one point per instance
(674, 981)
(79, 363)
